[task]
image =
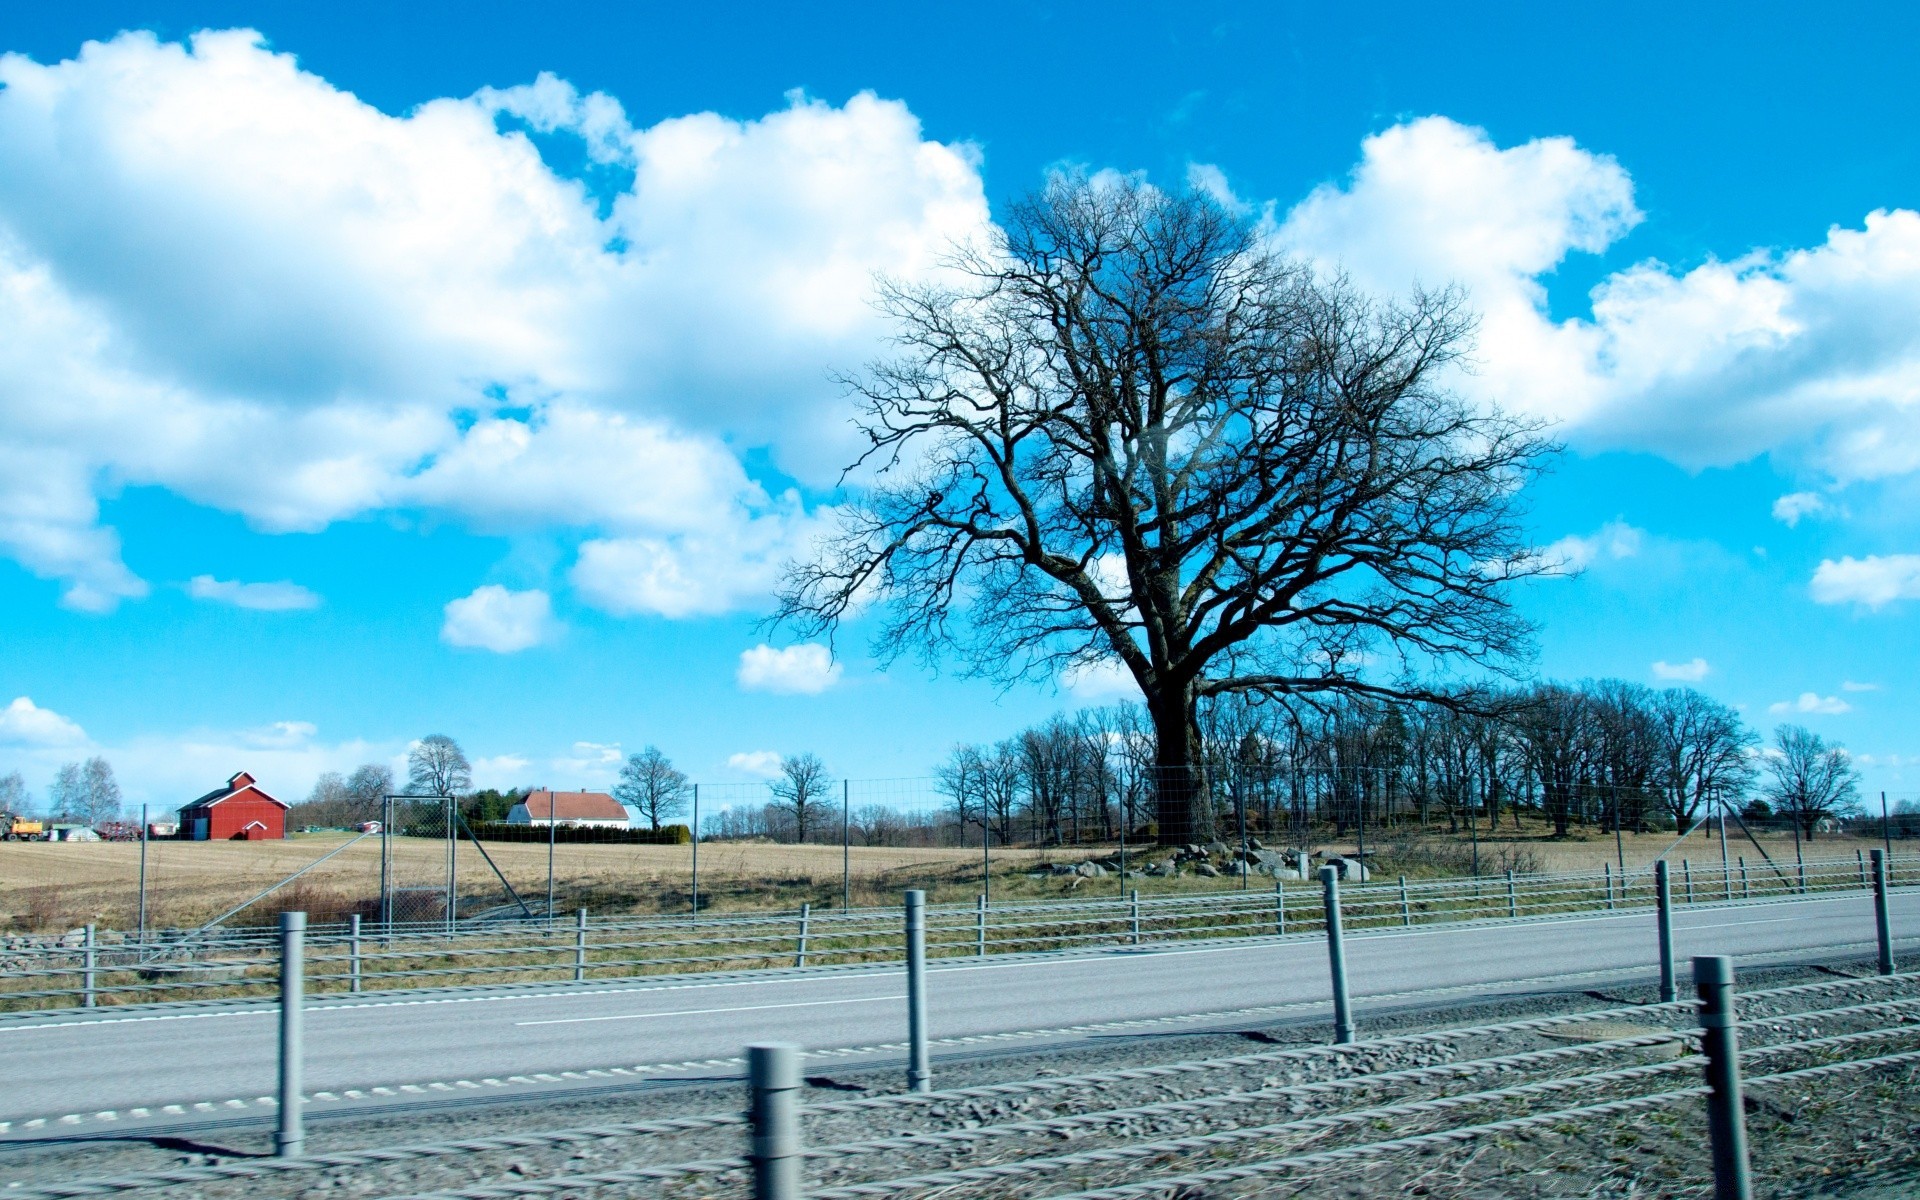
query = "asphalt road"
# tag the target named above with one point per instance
(134, 1058)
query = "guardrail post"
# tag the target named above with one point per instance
(1336, 957)
(980, 925)
(1860, 859)
(353, 952)
(800, 953)
(89, 959)
(580, 945)
(1663, 907)
(773, 1073)
(1686, 869)
(1133, 901)
(1406, 909)
(288, 1138)
(1513, 900)
(1801, 868)
(1882, 925)
(919, 1075)
(1279, 908)
(1726, 1121)
(1746, 885)
(1606, 870)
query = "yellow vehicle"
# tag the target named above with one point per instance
(21, 829)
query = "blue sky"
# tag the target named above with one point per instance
(466, 370)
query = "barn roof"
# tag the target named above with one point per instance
(573, 806)
(241, 782)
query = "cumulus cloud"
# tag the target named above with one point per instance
(1611, 542)
(1853, 686)
(1810, 702)
(268, 597)
(1795, 507)
(805, 670)
(1102, 680)
(1804, 350)
(209, 256)
(24, 723)
(761, 764)
(1874, 581)
(1687, 672)
(493, 618)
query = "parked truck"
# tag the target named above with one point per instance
(15, 828)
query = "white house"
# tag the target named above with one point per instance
(578, 810)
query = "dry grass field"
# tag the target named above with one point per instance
(47, 886)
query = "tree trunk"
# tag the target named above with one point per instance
(1176, 766)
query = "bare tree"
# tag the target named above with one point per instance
(67, 796)
(1133, 434)
(101, 791)
(13, 795)
(1704, 752)
(436, 766)
(800, 791)
(650, 782)
(1811, 779)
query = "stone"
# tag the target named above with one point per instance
(1253, 843)
(1061, 868)
(1090, 870)
(1218, 849)
(1207, 869)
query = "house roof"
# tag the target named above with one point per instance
(573, 806)
(241, 782)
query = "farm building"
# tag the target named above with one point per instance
(240, 811)
(578, 810)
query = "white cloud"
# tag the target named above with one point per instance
(1810, 702)
(268, 597)
(807, 669)
(225, 277)
(1686, 672)
(694, 574)
(24, 723)
(761, 764)
(493, 618)
(1851, 686)
(1795, 507)
(1803, 350)
(1611, 542)
(589, 763)
(501, 770)
(1874, 581)
(1102, 680)
(281, 735)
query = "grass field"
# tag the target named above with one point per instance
(47, 886)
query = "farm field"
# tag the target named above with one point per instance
(49, 886)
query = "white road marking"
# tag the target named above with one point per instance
(701, 1012)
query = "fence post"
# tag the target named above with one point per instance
(1606, 870)
(800, 956)
(980, 925)
(1720, 1038)
(1133, 900)
(1336, 957)
(1686, 869)
(1406, 909)
(1860, 858)
(89, 958)
(580, 945)
(773, 1073)
(1279, 908)
(288, 1138)
(1663, 907)
(1801, 868)
(919, 1076)
(1746, 885)
(353, 952)
(1513, 900)
(1882, 925)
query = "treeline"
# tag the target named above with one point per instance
(1601, 753)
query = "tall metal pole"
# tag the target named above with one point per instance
(143, 873)
(696, 851)
(1720, 1037)
(1886, 827)
(1663, 905)
(1726, 868)
(1336, 957)
(986, 852)
(553, 835)
(452, 849)
(288, 1138)
(919, 1072)
(386, 864)
(1882, 926)
(846, 846)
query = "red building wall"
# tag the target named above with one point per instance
(230, 817)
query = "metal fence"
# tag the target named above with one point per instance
(1179, 1127)
(92, 968)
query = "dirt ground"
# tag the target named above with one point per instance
(47, 886)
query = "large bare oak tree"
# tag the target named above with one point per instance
(1124, 431)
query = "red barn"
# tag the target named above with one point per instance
(239, 811)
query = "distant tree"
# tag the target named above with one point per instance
(100, 790)
(650, 782)
(1811, 779)
(800, 792)
(13, 795)
(365, 788)
(328, 804)
(1704, 752)
(330, 788)
(67, 795)
(436, 766)
(490, 804)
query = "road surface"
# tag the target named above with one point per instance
(139, 1059)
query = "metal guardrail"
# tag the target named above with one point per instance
(1241, 1117)
(355, 956)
